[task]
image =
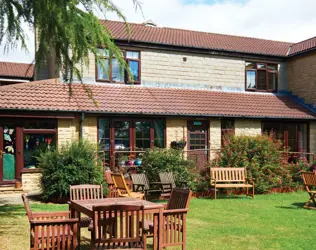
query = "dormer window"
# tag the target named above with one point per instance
(111, 70)
(261, 77)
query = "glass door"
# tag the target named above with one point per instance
(7, 153)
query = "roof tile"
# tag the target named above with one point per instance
(196, 39)
(49, 95)
(22, 70)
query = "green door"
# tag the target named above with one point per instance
(7, 153)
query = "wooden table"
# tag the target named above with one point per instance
(86, 207)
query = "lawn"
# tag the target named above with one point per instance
(275, 221)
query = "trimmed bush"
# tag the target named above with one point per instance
(168, 160)
(263, 158)
(73, 164)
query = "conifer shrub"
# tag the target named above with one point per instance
(72, 164)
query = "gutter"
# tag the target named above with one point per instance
(81, 126)
(83, 113)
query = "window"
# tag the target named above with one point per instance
(261, 76)
(292, 135)
(227, 127)
(110, 70)
(129, 136)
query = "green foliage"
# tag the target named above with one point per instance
(71, 165)
(67, 31)
(168, 160)
(263, 159)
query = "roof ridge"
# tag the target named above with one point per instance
(17, 63)
(198, 31)
(303, 41)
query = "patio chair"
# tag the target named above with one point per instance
(309, 179)
(116, 227)
(142, 184)
(168, 183)
(122, 188)
(85, 192)
(51, 230)
(174, 219)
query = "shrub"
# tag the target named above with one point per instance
(73, 164)
(263, 159)
(168, 160)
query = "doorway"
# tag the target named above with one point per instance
(198, 142)
(7, 154)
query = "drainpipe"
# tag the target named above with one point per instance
(81, 122)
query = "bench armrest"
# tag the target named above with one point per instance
(175, 211)
(139, 187)
(53, 222)
(164, 188)
(47, 215)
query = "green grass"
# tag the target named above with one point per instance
(268, 222)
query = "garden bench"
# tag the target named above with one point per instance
(231, 178)
(309, 179)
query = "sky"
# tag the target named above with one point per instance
(282, 20)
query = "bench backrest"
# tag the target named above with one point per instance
(140, 179)
(229, 174)
(167, 177)
(85, 192)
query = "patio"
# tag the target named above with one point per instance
(276, 221)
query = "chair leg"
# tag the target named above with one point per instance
(312, 198)
(253, 190)
(215, 193)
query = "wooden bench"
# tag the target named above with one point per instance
(231, 178)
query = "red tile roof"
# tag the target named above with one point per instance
(196, 39)
(49, 95)
(17, 70)
(303, 46)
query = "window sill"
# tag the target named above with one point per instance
(262, 91)
(31, 170)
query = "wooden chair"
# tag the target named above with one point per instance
(174, 219)
(168, 183)
(51, 230)
(122, 188)
(309, 179)
(117, 227)
(142, 184)
(112, 192)
(85, 192)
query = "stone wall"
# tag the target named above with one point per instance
(250, 127)
(215, 137)
(302, 77)
(170, 67)
(176, 129)
(312, 139)
(90, 129)
(31, 182)
(68, 131)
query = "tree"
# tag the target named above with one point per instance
(67, 31)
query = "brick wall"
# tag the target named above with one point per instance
(90, 129)
(175, 130)
(302, 77)
(68, 130)
(250, 127)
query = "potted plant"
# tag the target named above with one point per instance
(179, 144)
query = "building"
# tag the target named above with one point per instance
(188, 84)
(11, 73)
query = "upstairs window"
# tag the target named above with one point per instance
(261, 77)
(110, 70)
